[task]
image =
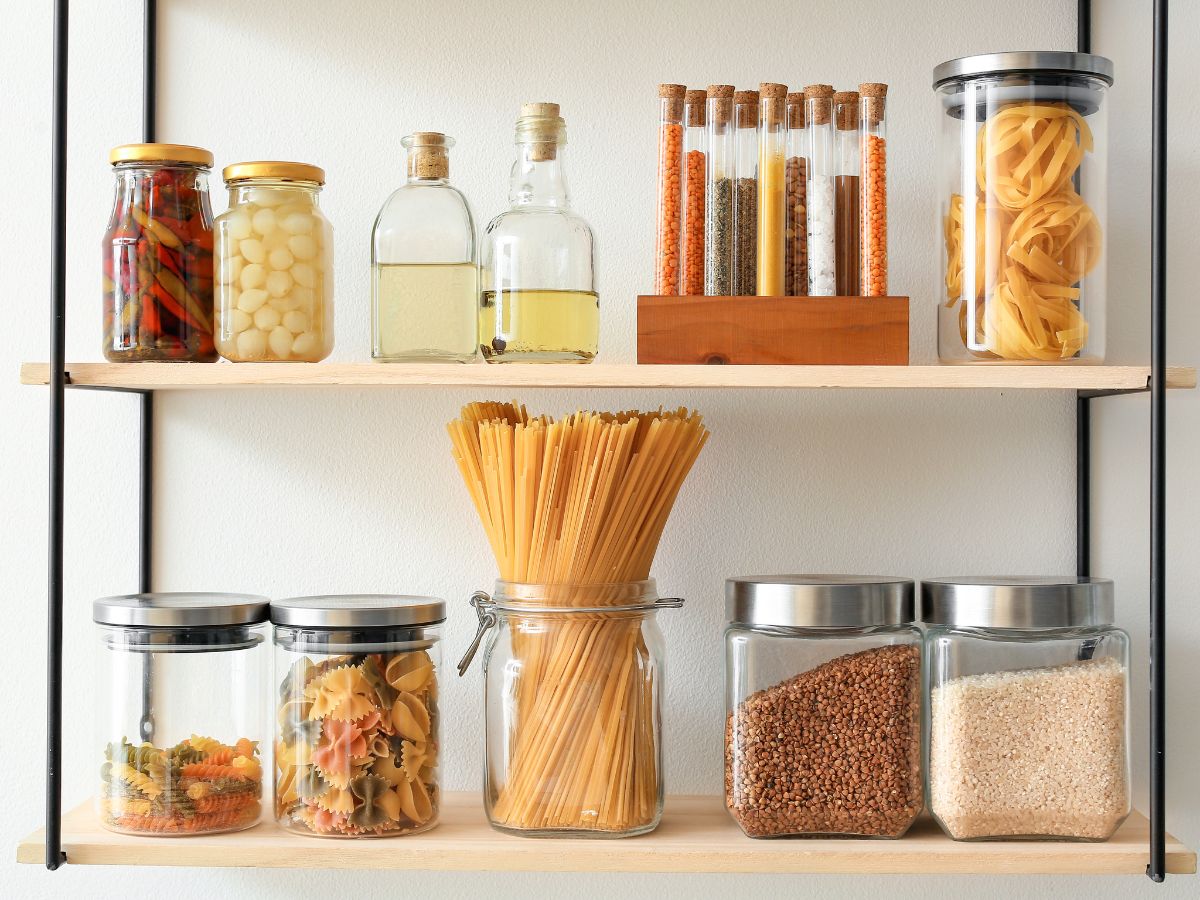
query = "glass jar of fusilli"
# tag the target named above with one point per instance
(182, 725)
(356, 746)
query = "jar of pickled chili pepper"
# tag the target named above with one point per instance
(158, 267)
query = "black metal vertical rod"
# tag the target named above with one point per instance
(146, 493)
(1083, 26)
(149, 69)
(1083, 405)
(58, 336)
(1157, 869)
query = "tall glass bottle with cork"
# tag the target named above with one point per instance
(424, 282)
(695, 159)
(745, 194)
(537, 268)
(669, 214)
(822, 170)
(718, 197)
(873, 282)
(771, 139)
(795, 252)
(849, 167)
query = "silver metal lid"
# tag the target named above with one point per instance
(1024, 61)
(818, 601)
(353, 611)
(1014, 602)
(180, 610)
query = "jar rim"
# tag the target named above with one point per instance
(358, 611)
(1017, 602)
(180, 609)
(819, 601)
(1031, 62)
(275, 170)
(166, 154)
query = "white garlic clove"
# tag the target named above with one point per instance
(303, 296)
(238, 226)
(298, 223)
(302, 246)
(266, 318)
(228, 269)
(240, 320)
(280, 342)
(279, 283)
(295, 321)
(264, 221)
(253, 250)
(280, 258)
(251, 345)
(304, 274)
(250, 301)
(253, 276)
(306, 346)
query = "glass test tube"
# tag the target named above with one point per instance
(694, 187)
(795, 250)
(745, 193)
(849, 167)
(873, 281)
(670, 189)
(772, 107)
(718, 199)
(822, 245)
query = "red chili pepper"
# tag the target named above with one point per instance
(171, 305)
(171, 259)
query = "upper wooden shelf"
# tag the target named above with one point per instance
(696, 835)
(189, 376)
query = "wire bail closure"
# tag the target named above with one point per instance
(485, 610)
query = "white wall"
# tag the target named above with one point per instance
(317, 490)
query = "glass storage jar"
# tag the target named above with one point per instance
(181, 718)
(823, 692)
(424, 281)
(537, 265)
(1023, 207)
(158, 263)
(1028, 708)
(274, 265)
(572, 702)
(357, 728)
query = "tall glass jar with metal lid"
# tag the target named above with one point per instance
(537, 262)
(274, 265)
(158, 256)
(357, 727)
(181, 722)
(424, 281)
(1028, 708)
(573, 692)
(1023, 200)
(823, 700)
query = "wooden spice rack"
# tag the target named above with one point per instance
(797, 331)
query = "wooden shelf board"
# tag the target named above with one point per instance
(696, 835)
(188, 376)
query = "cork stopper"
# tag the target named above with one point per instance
(695, 103)
(845, 105)
(795, 109)
(769, 90)
(721, 111)
(428, 155)
(873, 94)
(820, 108)
(542, 127)
(672, 101)
(745, 105)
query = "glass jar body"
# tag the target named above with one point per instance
(1023, 209)
(1028, 732)
(573, 738)
(847, 703)
(424, 281)
(274, 273)
(182, 724)
(358, 731)
(538, 300)
(158, 265)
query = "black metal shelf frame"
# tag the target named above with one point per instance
(1157, 388)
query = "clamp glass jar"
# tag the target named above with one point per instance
(181, 717)
(158, 256)
(357, 740)
(572, 699)
(1023, 207)
(823, 691)
(274, 265)
(1028, 708)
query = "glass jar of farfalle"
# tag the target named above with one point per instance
(357, 739)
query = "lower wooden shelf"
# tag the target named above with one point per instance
(696, 835)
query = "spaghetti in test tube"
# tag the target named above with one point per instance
(718, 195)
(745, 193)
(795, 248)
(694, 187)
(669, 218)
(772, 107)
(822, 242)
(873, 281)
(845, 115)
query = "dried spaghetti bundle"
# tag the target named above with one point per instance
(577, 505)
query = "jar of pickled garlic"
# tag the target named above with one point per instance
(274, 265)
(158, 266)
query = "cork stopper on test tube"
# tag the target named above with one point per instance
(745, 104)
(822, 112)
(721, 112)
(873, 94)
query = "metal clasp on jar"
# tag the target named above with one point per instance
(485, 611)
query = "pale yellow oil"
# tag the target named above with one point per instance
(425, 312)
(539, 326)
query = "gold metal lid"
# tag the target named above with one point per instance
(161, 153)
(275, 170)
